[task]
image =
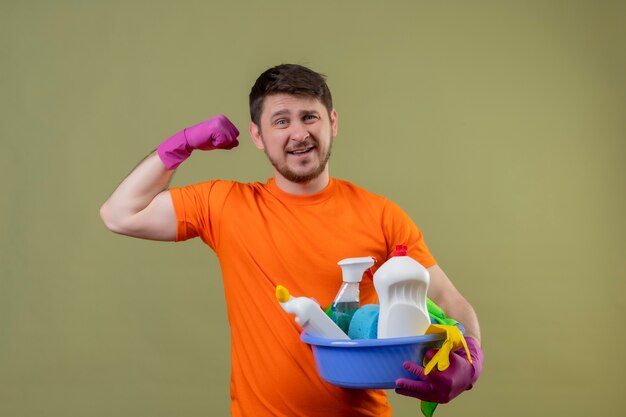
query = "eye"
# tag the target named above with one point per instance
(281, 122)
(310, 118)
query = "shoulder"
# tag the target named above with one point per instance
(368, 200)
(349, 189)
(221, 186)
(236, 192)
(213, 191)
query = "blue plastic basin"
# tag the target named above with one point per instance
(369, 363)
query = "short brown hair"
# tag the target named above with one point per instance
(288, 79)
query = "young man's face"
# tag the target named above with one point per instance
(296, 133)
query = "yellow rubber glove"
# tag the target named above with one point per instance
(454, 341)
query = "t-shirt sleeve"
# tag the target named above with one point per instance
(198, 208)
(401, 230)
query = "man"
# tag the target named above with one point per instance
(290, 230)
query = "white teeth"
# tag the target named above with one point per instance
(299, 151)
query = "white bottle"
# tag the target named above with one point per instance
(347, 301)
(309, 315)
(402, 284)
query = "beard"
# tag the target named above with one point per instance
(297, 177)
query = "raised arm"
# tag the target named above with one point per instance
(141, 205)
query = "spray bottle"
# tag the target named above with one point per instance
(309, 315)
(346, 301)
(402, 284)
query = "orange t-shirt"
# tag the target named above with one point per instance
(264, 237)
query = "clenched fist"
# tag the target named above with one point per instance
(215, 133)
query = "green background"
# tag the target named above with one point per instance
(498, 126)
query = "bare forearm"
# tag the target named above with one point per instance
(445, 294)
(458, 308)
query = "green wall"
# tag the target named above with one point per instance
(498, 126)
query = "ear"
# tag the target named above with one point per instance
(255, 133)
(333, 122)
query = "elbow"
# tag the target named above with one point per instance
(108, 217)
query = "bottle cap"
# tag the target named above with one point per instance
(401, 250)
(282, 294)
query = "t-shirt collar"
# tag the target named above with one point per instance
(300, 199)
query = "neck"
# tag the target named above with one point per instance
(302, 188)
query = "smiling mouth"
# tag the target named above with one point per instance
(301, 151)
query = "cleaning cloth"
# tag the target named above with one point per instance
(437, 316)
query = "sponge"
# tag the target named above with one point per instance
(364, 323)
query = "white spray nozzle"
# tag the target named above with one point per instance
(353, 268)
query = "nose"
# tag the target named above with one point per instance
(299, 133)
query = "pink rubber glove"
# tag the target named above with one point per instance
(443, 386)
(215, 133)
